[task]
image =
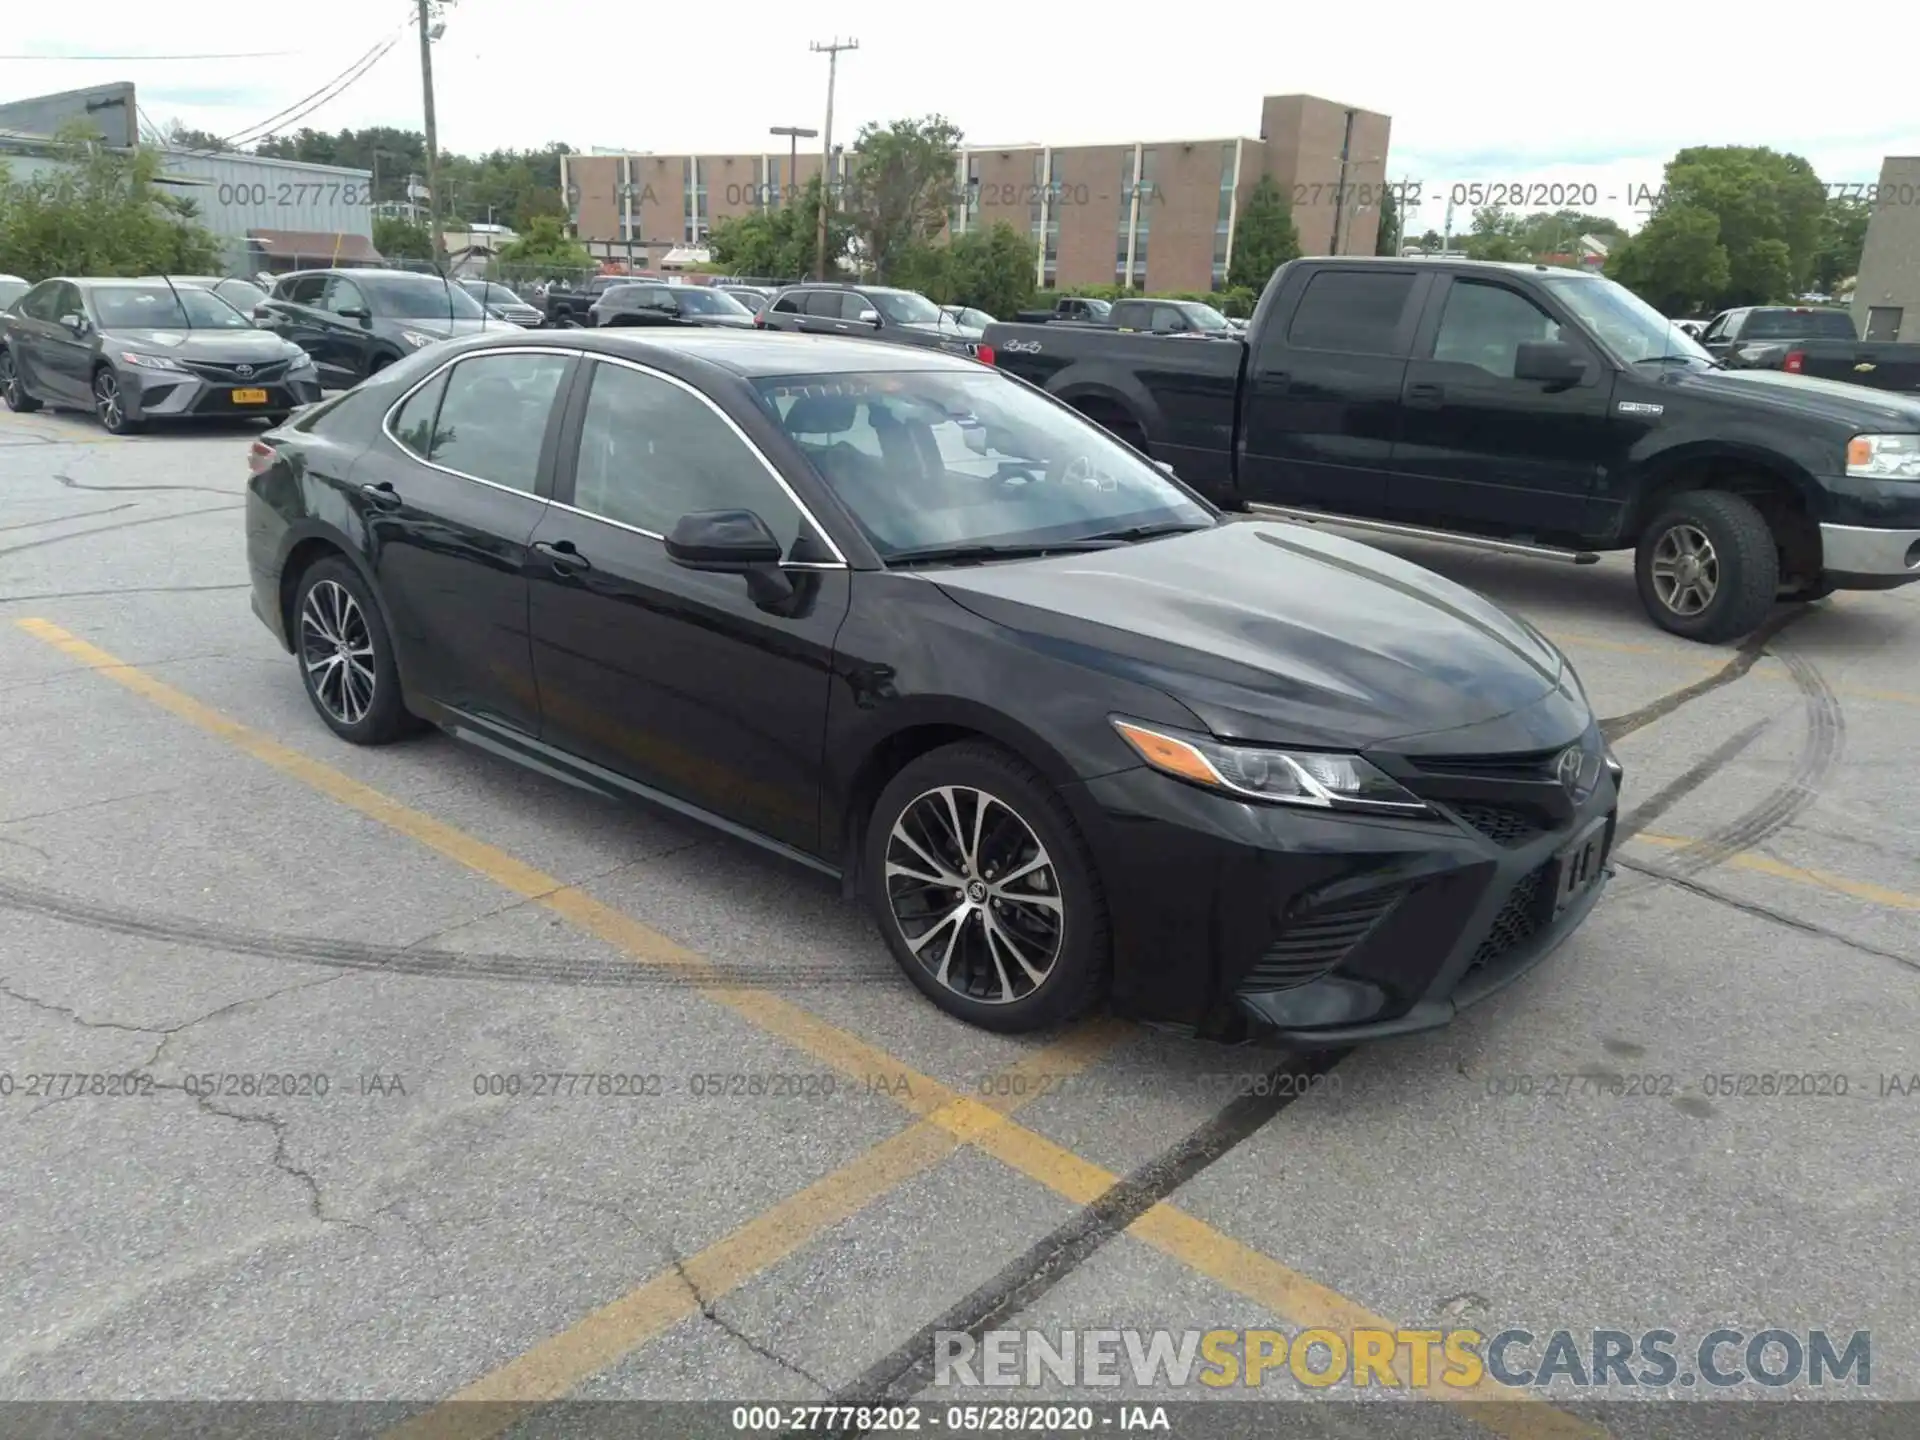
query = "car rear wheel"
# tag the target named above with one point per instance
(985, 890)
(110, 404)
(11, 387)
(346, 659)
(1707, 567)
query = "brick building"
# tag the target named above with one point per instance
(1158, 214)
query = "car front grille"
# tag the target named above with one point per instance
(230, 374)
(1317, 941)
(1519, 921)
(1502, 824)
(1523, 765)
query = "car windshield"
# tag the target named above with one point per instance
(753, 300)
(1204, 317)
(490, 294)
(157, 307)
(12, 290)
(943, 459)
(241, 294)
(696, 300)
(424, 297)
(905, 307)
(1799, 325)
(1629, 327)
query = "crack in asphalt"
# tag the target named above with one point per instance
(727, 1327)
(73, 484)
(131, 590)
(62, 519)
(906, 1371)
(1744, 659)
(1765, 912)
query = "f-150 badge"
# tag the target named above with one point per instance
(1641, 407)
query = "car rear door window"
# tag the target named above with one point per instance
(493, 417)
(1485, 325)
(342, 296)
(829, 304)
(652, 451)
(1352, 312)
(305, 290)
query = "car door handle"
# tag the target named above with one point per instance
(1424, 396)
(566, 560)
(383, 495)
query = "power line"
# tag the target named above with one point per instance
(129, 59)
(306, 105)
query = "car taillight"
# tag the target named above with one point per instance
(260, 457)
(984, 354)
(1795, 362)
(759, 322)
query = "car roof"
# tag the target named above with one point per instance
(362, 272)
(752, 354)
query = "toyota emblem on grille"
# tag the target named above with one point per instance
(1567, 768)
(243, 371)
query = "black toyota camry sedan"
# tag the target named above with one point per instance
(908, 621)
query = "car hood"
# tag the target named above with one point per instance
(1855, 407)
(220, 347)
(1278, 633)
(442, 327)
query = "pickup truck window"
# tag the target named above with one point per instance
(1352, 312)
(1485, 325)
(1799, 325)
(1631, 330)
(939, 458)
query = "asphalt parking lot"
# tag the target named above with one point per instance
(197, 880)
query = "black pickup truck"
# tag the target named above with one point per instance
(1805, 340)
(573, 305)
(1521, 408)
(1067, 307)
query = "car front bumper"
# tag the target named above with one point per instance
(1322, 928)
(179, 395)
(1860, 557)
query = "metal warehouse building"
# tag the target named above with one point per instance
(271, 214)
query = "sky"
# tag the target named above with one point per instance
(1494, 94)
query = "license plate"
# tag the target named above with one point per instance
(249, 397)
(1578, 867)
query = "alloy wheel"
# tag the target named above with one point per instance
(336, 650)
(1685, 570)
(975, 894)
(106, 395)
(9, 380)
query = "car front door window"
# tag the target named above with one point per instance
(343, 297)
(652, 451)
(1485, 325)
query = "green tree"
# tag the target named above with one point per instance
(991, 270)
(1843, 235)
(1388, 242)
(100, 212)
(1676, 263)
(780, 243)
(1496, 234)
(1770, 207)
(1264, 237)
(402, 239)
(184, 137)
(545, 245)
(1432, 241)
(899, 189)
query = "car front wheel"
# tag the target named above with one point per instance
(346, 659)
(110, 404)
(985, 890)
(1708, 567)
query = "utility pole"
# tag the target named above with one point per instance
(832, 52)
(429, 32)
(795, 134)
(1340, 194)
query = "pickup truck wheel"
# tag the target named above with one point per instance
(1707, 567)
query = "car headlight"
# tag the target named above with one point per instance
(416, 339)
(301, 361)
(1884, 457)
(153, 362)
(1318, 779)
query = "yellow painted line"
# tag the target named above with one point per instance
(1779, 870)
(944, 1112)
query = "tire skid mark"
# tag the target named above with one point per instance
(423, 963)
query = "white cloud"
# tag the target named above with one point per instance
(1500, 93)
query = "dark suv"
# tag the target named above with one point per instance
(903, 316)
(356, 322)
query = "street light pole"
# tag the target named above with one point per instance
(429, 32)
(795, 134)
(832, 52)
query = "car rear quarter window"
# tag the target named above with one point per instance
(493, 417)
(413, 422)
(1352, 312)
(788, 304)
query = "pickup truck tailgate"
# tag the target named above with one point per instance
(1884, 367)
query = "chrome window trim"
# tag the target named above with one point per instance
(386, 421)
(840, 559)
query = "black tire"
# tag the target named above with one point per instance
(1074, 978)
(378, 719)
(109, 405)
(1742, 561)
(17, 398)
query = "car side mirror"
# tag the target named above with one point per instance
(1552, 362)
(76, 323)
(870, 317)
(355, 312)
(732, 542)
